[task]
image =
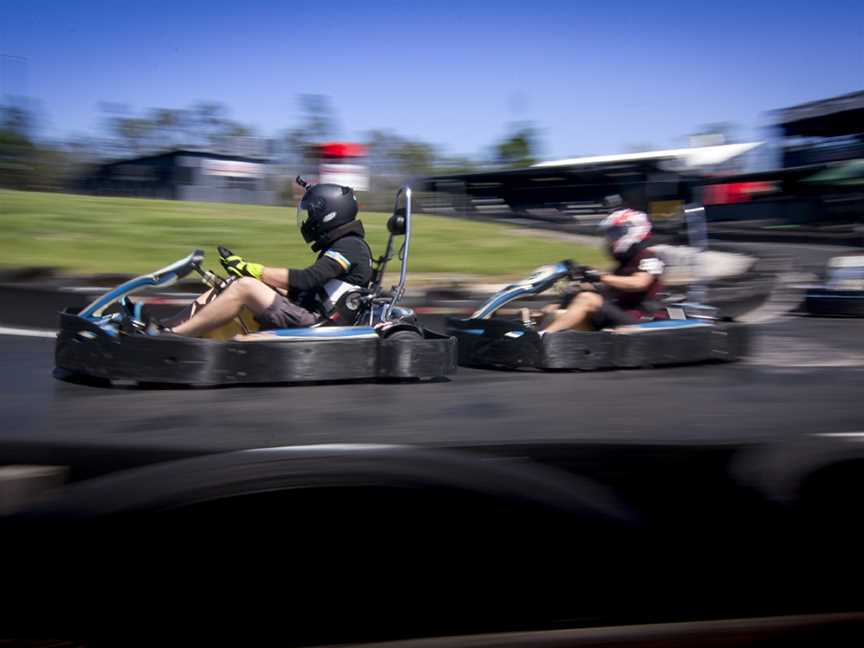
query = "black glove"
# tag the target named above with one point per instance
(574, 270)
(592, 275)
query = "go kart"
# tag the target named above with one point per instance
(693, 333)
(368, 336)
(842, 293)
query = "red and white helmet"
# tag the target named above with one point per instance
(625, 228)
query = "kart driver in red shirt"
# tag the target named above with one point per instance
(629, 293)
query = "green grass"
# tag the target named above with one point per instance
(86, 234)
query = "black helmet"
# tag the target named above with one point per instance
(323, 208)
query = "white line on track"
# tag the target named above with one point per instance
(847, 435)
(338, 447)
(4, 330)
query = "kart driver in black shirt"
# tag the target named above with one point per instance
(288, 298)
(628, 294)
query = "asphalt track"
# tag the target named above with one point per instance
(805, 375)
(664, 441)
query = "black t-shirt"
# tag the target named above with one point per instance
(348, 259)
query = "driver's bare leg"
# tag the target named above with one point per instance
(578, 313)
(189, 311)
(248, 292)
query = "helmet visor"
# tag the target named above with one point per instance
(302, 215)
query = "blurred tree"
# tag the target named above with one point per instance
(392, 161)
(519, 148)
(16, 119)
(236, 129)
(456, 164)
(205, 125)
(16, 149)
(294, 149)
(319, 122)
(398, 157)
(133, 132)
(26, 164)
(208, 122)
(168, 127)
(415, 158)
(53, 168)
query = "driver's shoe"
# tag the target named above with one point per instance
(155, 328)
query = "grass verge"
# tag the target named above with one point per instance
(87, 234)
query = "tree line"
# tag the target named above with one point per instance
(28, 162)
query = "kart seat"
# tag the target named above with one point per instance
(349, 308)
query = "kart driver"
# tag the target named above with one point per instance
(628, 294)
(288, 298)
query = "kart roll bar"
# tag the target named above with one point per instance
(697, 233)
(403, 272)
(396, 229)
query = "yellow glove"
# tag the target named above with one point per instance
(238, 266)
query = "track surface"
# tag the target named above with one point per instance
(805, 375)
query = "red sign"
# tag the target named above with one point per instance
(734, 192)
(342, 149)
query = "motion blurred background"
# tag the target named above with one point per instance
(194, 104)
(132, 133)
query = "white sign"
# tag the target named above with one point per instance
(355, 176)
(233, 169)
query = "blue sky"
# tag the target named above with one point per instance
(594, 77)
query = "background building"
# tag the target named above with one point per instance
(186, 175)
(829, 130)
(569, 193)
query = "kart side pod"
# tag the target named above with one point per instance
(338, 353)
(842, 293)
(509, 344)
